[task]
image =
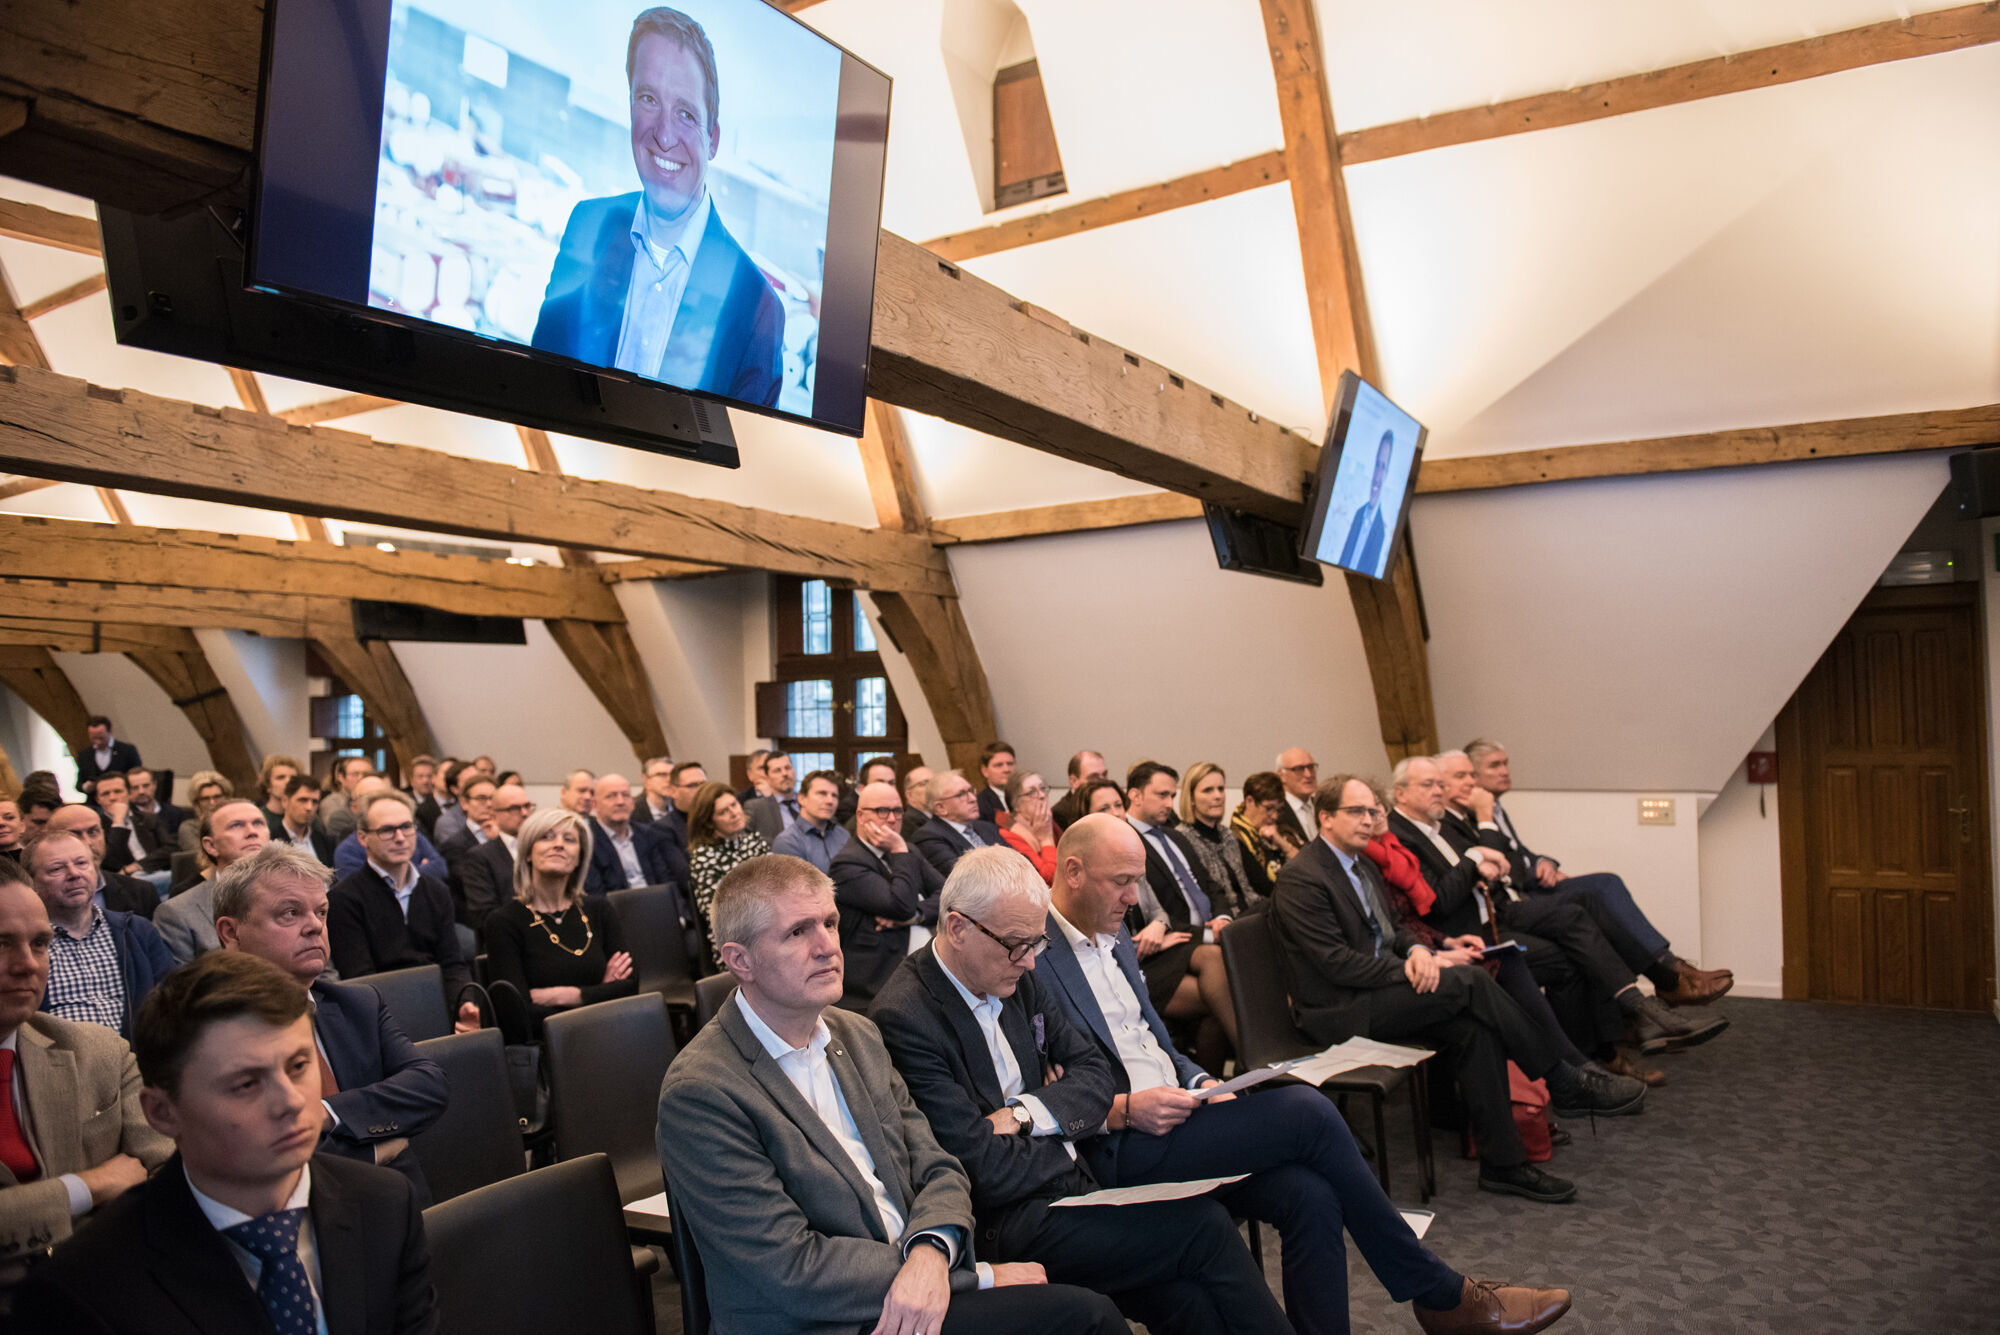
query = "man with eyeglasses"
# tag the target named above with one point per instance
(485, 875)
(688, 777)
(1299, 772)
(351, 854)
(887, 895)
(656, 800)
(1353, 970)
(954, 828)
(1009, 1086)
(390, 915)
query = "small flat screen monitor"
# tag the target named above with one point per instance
(1367, 473)
(688, 196)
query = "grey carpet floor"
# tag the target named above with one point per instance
(1815, 1169)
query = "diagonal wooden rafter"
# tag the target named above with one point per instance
(33, 674)
(369, 669)
(332, 410)
(181, 669)
(48, 227)
(81, 290)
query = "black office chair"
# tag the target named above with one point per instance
(415, 996)
(183, 871)
(1265, 1033)
(695, 1316)
(478, 1140)
(539, 1252)
(709, 994)
(650, 917)
(604, 1064)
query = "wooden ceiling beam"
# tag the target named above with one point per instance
(79, 637)
(54, 426)
(22, 486)
(289, 615)
(1075, 517)
(81, 290)
(48, 227)
(32, 673)
(332, 410)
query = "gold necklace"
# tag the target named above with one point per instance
(557, 941)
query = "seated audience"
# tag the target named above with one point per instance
(1206, 829)
(126, 894)
(815, 836)
(1298, 772)
(1032, 830)
(74, 1139)
(1266, 846)
(376, 1089)
(1533, 874)
(887, 895)
(37, 802)
(336, 809)
(1084, 767)
(954, 828)
(1121, 1112)
(472, 813)
(830, 1208)
(423, 791)
(351, 855)
(628, 853)
(12, 830)
(297, 823)
(880, 769)
(274, 778)
(135, 846)
(656, 791)
(102, 962)
(245, 1228)
(916, 800)
(1102, 797)
(230, 831)
(104, 754)
(688, 777)
(389, 915)
(1352, 971)
(556, 946)
(578, 793)
(772, 813)
(1175, 922)
(207, 790)
(754, 767)
(147, 798)
(451, 776)
(996, 767)
(483, 876)
(719, 837)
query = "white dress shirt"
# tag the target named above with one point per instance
(628, 857)
(1302, 807)
(653, 295)
(228, 1216)
(986, 1012)
(1147, 1065)
(79, 1194)
(299, 839)
(403, 888)
(1436, 835)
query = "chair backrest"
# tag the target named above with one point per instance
(541, 1251)
(415, 996)
(183, 870)
(1264, 1029)
(650, 918)
(695, 1316)
(478, 1140)
(468, 940)
(605, 1063)
(709, 994)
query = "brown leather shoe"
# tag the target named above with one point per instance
(1697, 987)
(1487, 1306)
(1626, 1064)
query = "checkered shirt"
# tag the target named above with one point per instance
(85, 982)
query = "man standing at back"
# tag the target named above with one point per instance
(812, 1186)
(104, 754)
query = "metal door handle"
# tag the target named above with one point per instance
(1964, 815)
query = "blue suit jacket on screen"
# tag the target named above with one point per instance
(1363, 550)
(728, 338)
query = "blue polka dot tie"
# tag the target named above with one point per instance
(283, 1286)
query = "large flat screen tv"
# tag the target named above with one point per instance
(1367, 474)
(682, 197)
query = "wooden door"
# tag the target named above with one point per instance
(1883, 809)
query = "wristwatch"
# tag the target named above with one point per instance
(1024, 1121)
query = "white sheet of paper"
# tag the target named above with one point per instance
(1353, 1054)
(648, 1213)
(1248, 1079)
(1158, 1191)
(1418, 1220)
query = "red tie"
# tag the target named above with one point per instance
(14, 1149)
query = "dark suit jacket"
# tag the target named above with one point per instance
(323, 845)
(1288, 819)
(369, 934)
(174, 1274)
(1456, 911)
(124, 756)
(789, 1234)
(387, 1090)
(428, 812)
(129, 894)
(662, 857)
(943, 846)
(143, 960)
(1521, 859)
(908, 887)
(1363, 548)
(728, 337)
(1166, 887)
(991, 806)
(169, 818)
(1067, 811)
(482, 880)
(942, 1056)
(160, 846)
(1327, 949)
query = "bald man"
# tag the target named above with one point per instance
(483, 876)
(626, 854)
(886, 892)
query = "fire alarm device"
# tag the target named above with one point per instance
(1763, 767)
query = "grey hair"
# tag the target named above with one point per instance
(1479, 748)
(1443, 756)
(741, 910)
(985, 876)
(373, 800)
(236, 885)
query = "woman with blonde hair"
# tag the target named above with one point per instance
(556, 947)
(206, 791)
(1204, 810)
(277, 771)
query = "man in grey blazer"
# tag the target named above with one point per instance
(811, 1185)
(230, 833)
(774, 813)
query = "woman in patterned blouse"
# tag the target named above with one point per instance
(1204, 809)
(719, 837)
(1266, 847)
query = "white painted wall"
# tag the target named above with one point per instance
(925, 740)
(690, 637)
(1742, 913)
(266, 679)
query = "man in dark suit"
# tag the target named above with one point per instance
(423, 791)
(378, 1092)
(1367, 535)
(1083, 767)
(688, 777)
(624, 853)
(124, 894)
(133, 840)
(980, 1045)
(1174, 924)
(147, 798)
(483, 874)
(1307, 1174)
(389, 915)
(954, 828)
(1299, 773)
(918, 784)
(245, 1229)
(1353, 969)
(298, 824)
(814, 1189)
(105, 753)
(656, 792)
(773, 813)
(102, 962)
(888, 895)
(996, 768)
(652, 282)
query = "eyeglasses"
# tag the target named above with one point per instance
(1367, 813)
(881, 811)
(1299, 769)
(518, 809)
(1039, 790)
(393, 831)
(953, 797)
(1017, 950)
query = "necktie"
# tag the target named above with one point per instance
(283, 1286)
(1190, 888)
(972, 837)
(328, 1086)
(15, 1151)
(1360, 878)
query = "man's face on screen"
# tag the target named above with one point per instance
(672, 135)
(1383, 455)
